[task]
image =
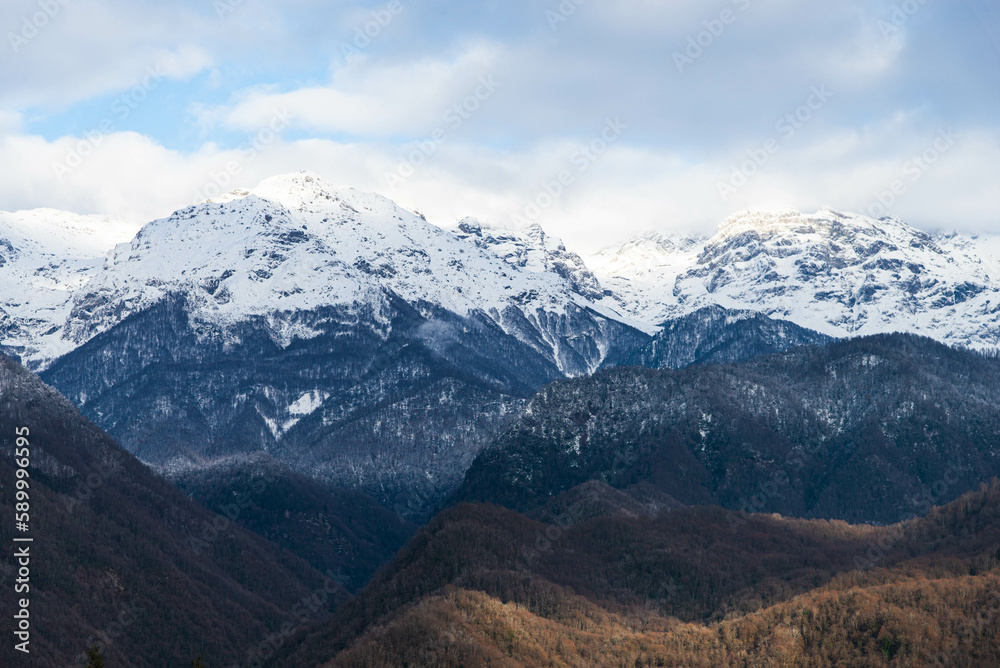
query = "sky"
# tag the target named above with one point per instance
(597, 119)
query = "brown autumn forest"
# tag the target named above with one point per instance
(690, 587)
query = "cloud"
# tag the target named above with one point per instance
(368, 98)
(87, 49)
(356, 121)
(625, 190)
(11, 122)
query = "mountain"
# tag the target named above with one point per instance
(484, 585)
(325, 369)
(836, 273)
(345, 336)
(122, 558)
(45, 256)
(319, 323)
(716, 335)
(362, 346)
(532, 249)
(395, 408)
(640, 274)
(296, 243)
(865, 430)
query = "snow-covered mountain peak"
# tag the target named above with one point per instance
(531, 249)
(788, 222)
(531, 232)
(309, 192)
(842, 274)
(304, 189)
(45, 255)
(824, 226)
(643, 253)
(641, 272)
(758, 220)
(296, 244)
(63, 234)
(831, 237)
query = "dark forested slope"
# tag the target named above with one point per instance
(872, 430)
(342, 531)
(122, 558)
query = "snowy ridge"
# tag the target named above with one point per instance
(531, 249)
(296, 243)
(641, 274)
(45, 256)
(836, 273)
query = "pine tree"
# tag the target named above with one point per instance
(94, 658)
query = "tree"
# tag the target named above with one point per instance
(198, 663)
(94, 658)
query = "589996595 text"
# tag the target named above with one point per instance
(22, 539)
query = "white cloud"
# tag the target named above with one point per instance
(608, 58)
(628, 190)
(97, 47)
(369, 98)
(11, 122)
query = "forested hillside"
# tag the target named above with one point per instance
(123, 559)
(482, 585)
(866, 430)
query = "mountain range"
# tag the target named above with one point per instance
(592, 584)
(366, 348)
(296, 243)
(592, 575)
(836, 273)
(590, 441)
